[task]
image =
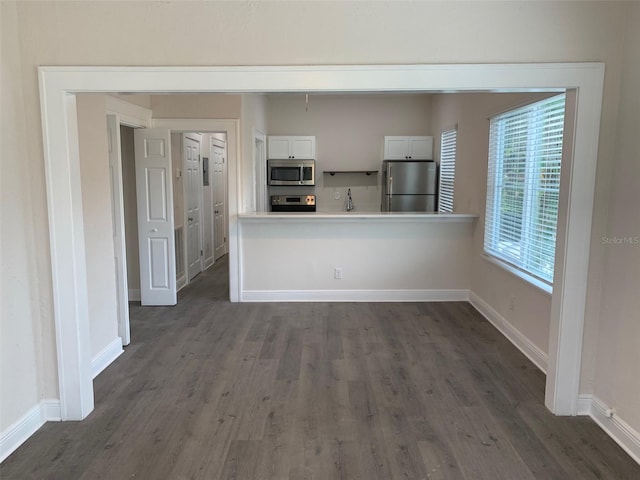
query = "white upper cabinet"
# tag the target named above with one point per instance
(303, 147)
(408, 148)
(279, 147)
(298, 147)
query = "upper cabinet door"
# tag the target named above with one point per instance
(298, 147)
(408, 148)
(396, 148)
(421, 148)
(279, 148)
(303, 147)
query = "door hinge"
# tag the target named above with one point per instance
(225, 239)
(201, 253)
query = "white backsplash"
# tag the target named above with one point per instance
(365, 192)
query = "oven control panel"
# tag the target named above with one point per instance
(293, 203)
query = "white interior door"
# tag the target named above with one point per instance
(155, 216)
(219, 201)
(193, 200)
(119, 243)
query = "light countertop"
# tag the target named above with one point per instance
(413, 217)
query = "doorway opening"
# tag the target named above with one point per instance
(59, 85)
(193, 197)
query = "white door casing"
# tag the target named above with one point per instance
(58, 85)
(156, 240)
(260, 193)
(119, 241)
(193, 203)
(219, 199)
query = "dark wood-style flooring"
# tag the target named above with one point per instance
(214, 390)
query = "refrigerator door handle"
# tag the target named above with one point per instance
(390, 181)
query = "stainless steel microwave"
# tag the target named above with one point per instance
(291, 172)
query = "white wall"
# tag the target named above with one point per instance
(26, 354)
(618, 338)
(195, 106)
(349, 131)
(525, 307)
(98, 220)
(259, 33)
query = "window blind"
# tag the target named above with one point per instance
(523, 185)
(448, 141)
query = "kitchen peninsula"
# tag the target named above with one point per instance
(355, 256)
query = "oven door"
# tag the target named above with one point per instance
(293, 208)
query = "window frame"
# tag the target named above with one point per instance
(530, 185)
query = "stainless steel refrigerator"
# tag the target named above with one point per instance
(409, 186)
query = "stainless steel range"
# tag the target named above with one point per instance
(293, 203)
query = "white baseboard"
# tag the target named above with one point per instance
(584, 404)
(52, 410)
(620, 431)
(515, 336)
(355, 295)
(49, 410)
(208, 262)
(181, 282)
(134, 295)
(106, 357)
(17, 433)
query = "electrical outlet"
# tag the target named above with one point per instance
(337, 273)
(336, 195)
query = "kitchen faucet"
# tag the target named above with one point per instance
(349, 201)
